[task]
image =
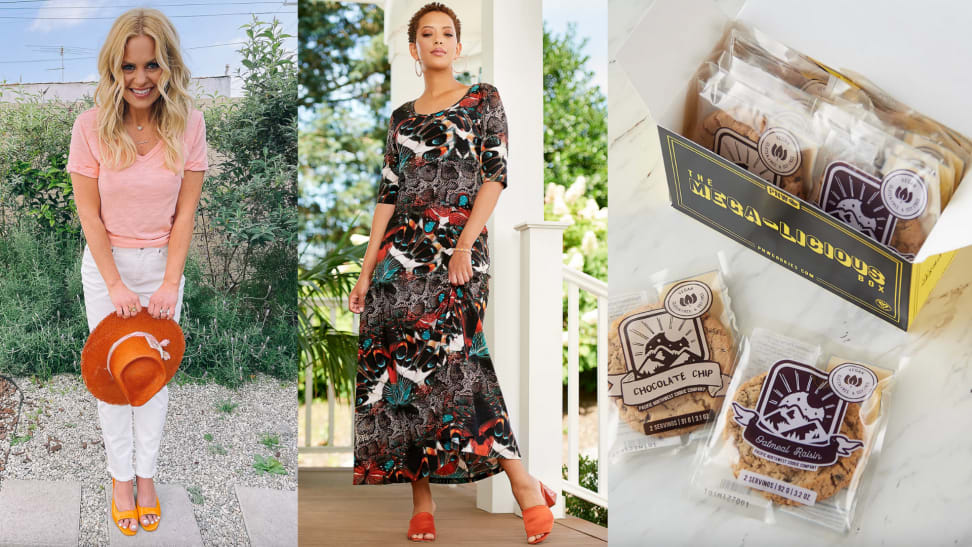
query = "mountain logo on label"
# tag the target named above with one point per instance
(797, 419)
(854, 197)
(656, 341)
(743, 152)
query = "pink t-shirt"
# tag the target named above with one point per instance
(137, 203)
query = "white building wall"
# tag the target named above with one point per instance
(72, 91)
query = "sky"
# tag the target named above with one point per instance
(33, 31)
(591, 19)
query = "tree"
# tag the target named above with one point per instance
(343, 96)
(575, 174)
(344, 92)
(575, 116)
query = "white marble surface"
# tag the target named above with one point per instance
(920, 492)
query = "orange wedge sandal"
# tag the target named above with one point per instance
(538, 520)
(142, 511)
(119, 515)
(421, 524)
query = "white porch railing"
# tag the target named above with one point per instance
(577, 281)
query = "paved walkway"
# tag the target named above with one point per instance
(270, 516)
(334, 512)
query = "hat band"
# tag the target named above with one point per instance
(153, 343)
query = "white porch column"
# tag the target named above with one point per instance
(541, 358)
(512, 34)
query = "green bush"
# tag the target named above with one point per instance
(584, 509)
(42, 320)
(251, 193)
(33, 153)
(46, 194)
(43, 324)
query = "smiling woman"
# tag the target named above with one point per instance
(137, 161)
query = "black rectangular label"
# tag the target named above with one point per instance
(784, 229)
(678, 422)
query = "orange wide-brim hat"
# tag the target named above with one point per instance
(127, 361)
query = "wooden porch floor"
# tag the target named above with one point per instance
(334, 512)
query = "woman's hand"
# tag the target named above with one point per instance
(357, 297)
(163, 303)
(460, 267)
(124, 300)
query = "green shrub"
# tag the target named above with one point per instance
(43, 325)
(251, 193)
(42, 320)
(33, 153)
(46, 194)
(584, 509)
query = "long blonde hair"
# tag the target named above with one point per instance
(171, 110)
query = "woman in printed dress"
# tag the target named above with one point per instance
(428, 407)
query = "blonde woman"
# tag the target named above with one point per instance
(428, 406)
(137, 161)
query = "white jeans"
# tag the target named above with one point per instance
(141, 271)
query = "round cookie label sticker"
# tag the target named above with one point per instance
(903, 192)
(780, 151)
(688, 299)
(852, 382)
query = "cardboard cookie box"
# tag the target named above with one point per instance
(908, 49)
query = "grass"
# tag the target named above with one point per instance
(218, 449)
(227, 406)
(18, 439)
(272, 442)
(208, 437)
(270, 465)
(195, 495)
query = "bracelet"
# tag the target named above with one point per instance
(462, 250)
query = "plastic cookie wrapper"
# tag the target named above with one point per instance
(952, 147)
(749, 45)
(774, 137)
(877, 184)
(849, 90)
(798, 436)
(670, 359)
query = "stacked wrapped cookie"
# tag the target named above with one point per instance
(832, 139)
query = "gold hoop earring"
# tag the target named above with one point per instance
(418, 68)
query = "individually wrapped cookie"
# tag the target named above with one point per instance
(795, 438)
(773, 138)
(951, 147)
(749, 45)
(670, 360)
(767, 82)
(875, 183)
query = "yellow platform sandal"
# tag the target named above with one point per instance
(119, 515)
(142, 511)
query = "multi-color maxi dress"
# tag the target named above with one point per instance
(427, 402)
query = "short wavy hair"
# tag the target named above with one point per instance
(429, 8)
